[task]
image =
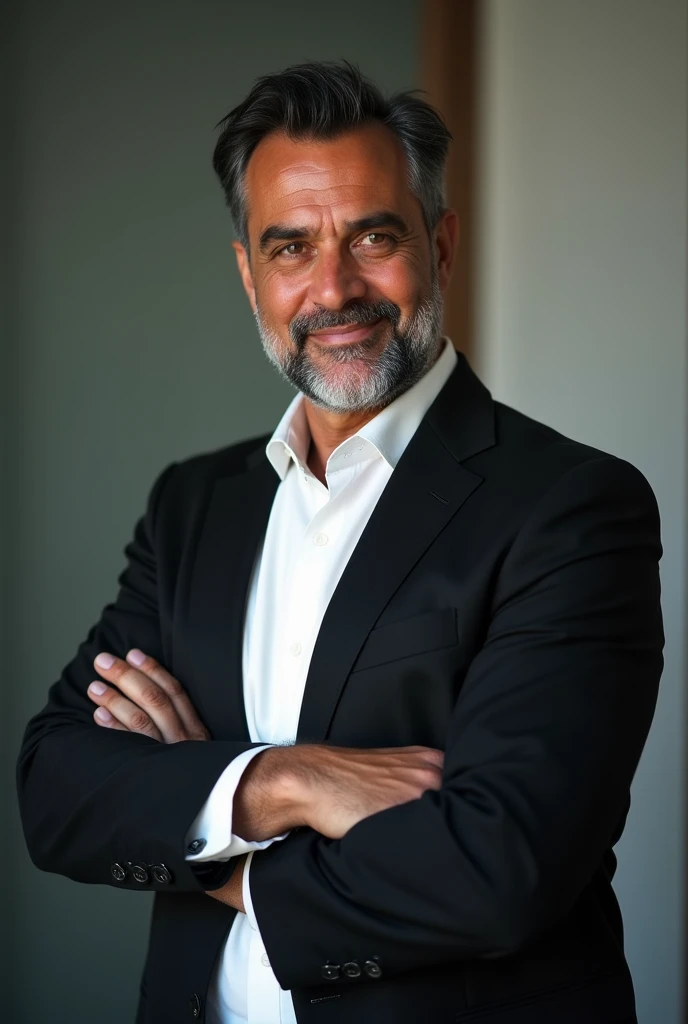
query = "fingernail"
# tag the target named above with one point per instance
(136, 657)
(105, 661)
(98, 688)
(103, 715)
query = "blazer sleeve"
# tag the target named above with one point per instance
(91, 798)
(543, 744)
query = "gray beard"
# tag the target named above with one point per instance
(376, 380)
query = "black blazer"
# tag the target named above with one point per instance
(502, 604)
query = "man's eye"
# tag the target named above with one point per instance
(292, 249)
(375, 239)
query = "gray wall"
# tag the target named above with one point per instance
(131, 344)
(583, 325)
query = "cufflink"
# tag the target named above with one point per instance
(196, 845)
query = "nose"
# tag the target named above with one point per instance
(335, 279)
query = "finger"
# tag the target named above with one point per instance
(399, 751)
(433, 780)
(150, 700)
(127, 714)
(434, 757)
(424, 755)
(406, 755)
(175, 691)
(102, 717)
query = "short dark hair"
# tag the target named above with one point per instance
(321, 100)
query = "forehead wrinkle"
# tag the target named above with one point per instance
(319, 197)
(341, 175)
(293, 184)
(370, 152)
(329, 194)
(303, 168)
(303, 206)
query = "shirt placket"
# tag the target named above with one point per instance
(263, 988)
(304, 606)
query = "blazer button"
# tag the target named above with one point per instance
(195, 1005)
(161, 874)
(196, 845)
(140, 873)
(330, 971)
(372, 969)
(118, 872)
(351, 969)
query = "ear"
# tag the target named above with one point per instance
(446, 242)
(245, 273)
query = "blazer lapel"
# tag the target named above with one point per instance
(234, 527)
(425, 490)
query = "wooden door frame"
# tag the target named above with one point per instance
(449, 68)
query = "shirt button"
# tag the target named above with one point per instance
(295, 649)
(264, 960)
(321, 539)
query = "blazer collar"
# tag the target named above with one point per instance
(462, 415)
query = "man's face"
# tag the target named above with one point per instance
(341, 274)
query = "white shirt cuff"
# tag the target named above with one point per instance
(246, 895)
(213, 824)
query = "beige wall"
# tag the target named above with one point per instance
(582, 324)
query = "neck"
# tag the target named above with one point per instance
(328, 430)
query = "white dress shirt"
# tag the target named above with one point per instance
(311, 533)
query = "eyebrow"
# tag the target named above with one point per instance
(287, 233)
(381, 219)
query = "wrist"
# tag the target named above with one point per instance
(292, 783)
(271, 797)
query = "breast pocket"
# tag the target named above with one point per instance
(419, 634)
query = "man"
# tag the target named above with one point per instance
(374, 689)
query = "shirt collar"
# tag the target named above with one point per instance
(386, 435)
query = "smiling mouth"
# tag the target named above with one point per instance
(348, 334)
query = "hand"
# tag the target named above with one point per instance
(328, 788)
(231, 891)
(151, 701)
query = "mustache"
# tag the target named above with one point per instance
(355, 313)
